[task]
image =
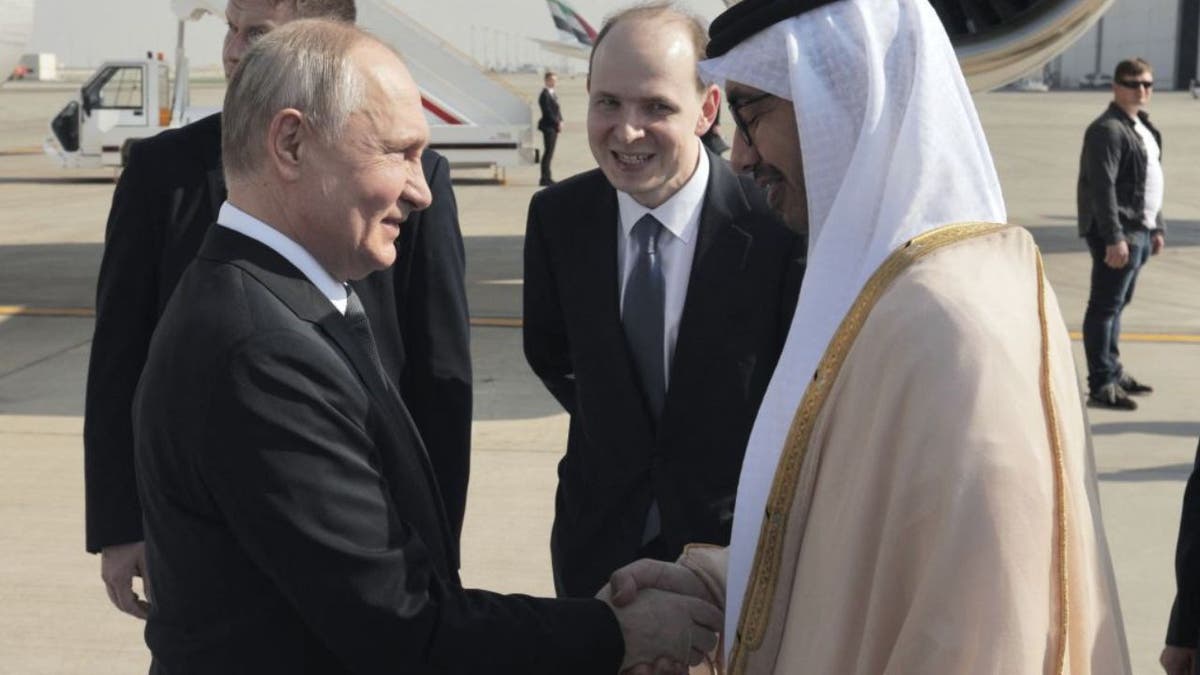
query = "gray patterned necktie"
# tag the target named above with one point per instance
(360, 326)
(642, 313)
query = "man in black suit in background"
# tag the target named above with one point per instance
(165, 202)
(1183, 633)
(293, 523)
(659, 290)
(550, 124)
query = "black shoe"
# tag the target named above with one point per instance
(1133, 387)
(1111, 396)
(545, 182)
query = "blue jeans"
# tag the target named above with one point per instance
(1111, 291)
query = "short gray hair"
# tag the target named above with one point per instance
(339, 10)
(303, 65)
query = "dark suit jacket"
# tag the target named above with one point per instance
(293, 523)
(551, 113)
(741, 294)
(165, 201)
(1184, 629)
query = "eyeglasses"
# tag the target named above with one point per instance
(735, 107)
(1136, 84)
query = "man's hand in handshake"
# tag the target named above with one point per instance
(666, 616)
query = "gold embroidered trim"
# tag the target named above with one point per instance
(764, 573)
(1054, 435)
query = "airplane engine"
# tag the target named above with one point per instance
(998, 41)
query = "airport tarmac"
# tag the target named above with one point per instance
(54, 614)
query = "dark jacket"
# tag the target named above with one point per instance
(293, 523)
(741, 294)
(1111, 193)
(165, 202)
(1184, 628)
(551, 113)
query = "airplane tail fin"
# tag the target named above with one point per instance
(571, 24)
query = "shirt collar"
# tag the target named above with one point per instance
(1118, 112)
(239, 221)
(680, 213)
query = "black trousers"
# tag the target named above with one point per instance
(549, 140)
(1111, 291)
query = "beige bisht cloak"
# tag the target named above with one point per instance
(935, 508)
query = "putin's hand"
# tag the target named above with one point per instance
(663, 627)
(118, 566)
(1177, 660)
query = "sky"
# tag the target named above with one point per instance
(84, 33)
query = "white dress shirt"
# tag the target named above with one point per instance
(680, 216)
(238, 220)
(1154, 175)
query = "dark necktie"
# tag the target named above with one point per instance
(643, 321)
(642, 313)
(360, 326)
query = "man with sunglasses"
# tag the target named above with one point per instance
(1119, 197)
(659, 290)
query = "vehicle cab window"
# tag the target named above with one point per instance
(118, 88)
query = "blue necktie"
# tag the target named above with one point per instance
(643, 321)
(642, 313)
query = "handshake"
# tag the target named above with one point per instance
(670, 615)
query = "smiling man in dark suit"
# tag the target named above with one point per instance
(165, 202)
(659, 290)
(293, 523)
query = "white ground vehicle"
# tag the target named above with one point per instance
(120, 103)
(474, 120)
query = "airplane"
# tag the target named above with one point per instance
(16, 25)
(576, 35)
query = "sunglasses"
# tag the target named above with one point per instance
(1135, 84)
(735, 111)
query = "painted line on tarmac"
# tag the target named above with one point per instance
(496, 321)
(515, 322)
(88, 313)
(14, 152)
(64, 312)
(1176, 338)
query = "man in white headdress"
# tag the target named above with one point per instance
(918, 494)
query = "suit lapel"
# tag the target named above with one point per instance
(722, 251)
(596, 276)
(216, 189)
(599, 308)
(396, 418)
(724, 203)
(214, 174)
(298, 293)
(339, 330)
